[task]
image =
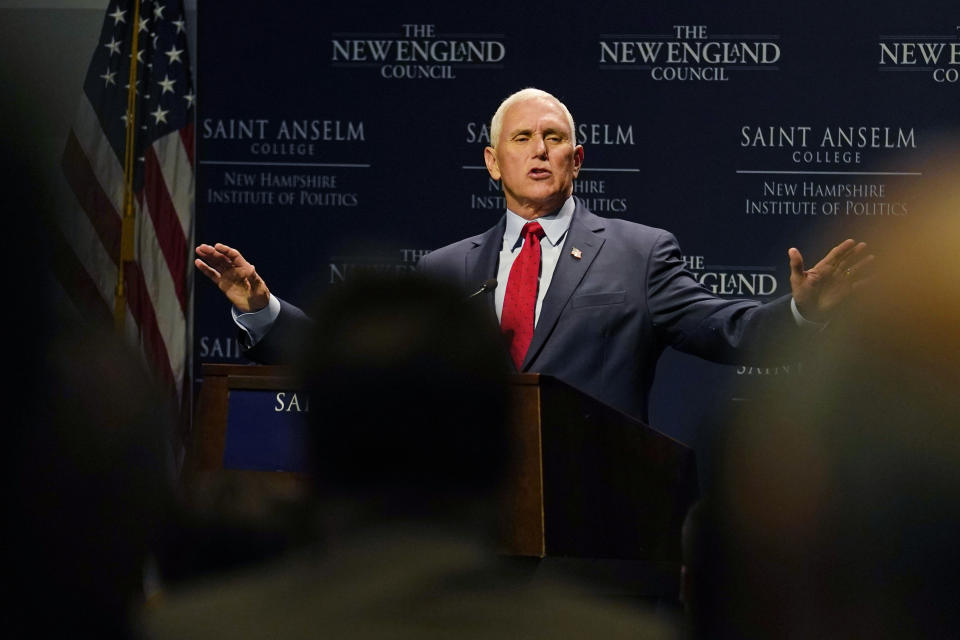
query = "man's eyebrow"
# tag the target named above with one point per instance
(546, 131)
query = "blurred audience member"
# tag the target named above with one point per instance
(837, 514)
(89, 479)
(87, 466)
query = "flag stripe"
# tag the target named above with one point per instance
(171, 320)
(75, 227)
(77, 283)
(102, 158)
(141, 307)
(186, 135)
(93, 200)
(169, 233)
(177, 173)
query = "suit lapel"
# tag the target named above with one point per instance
(480, 263)
(567, 276)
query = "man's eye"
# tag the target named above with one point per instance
(521, 138)
(554, 138)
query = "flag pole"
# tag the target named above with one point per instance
(128, 221)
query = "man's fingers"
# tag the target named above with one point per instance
(862, 282)
(851, 255)
(215, 259)
(234, 256)
(849, 266)
(224, 258)
(837, 259)
(839, 252)
(863, 262)
(206, 252)
(796, 262)
(207, 270)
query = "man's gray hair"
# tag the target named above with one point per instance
(496, 124)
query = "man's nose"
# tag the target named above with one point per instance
(539, 147)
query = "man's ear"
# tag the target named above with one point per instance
(490, 158)
(577, 159)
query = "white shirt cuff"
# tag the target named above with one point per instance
(256, 324)
(797, 317)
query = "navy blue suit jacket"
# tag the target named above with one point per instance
(609, 315)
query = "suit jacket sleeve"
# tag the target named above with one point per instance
(284, 340)
(694, 320)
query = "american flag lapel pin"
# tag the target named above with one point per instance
(576, 253)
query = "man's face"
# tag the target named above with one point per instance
(535, 158)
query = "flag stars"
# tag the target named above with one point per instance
(190, 98)
(160, 115)
(114, 46)
(118, 16)
(174, 54)
(109, 78)
(158, 11)
(166, 84)
(144, 22)
(179, 24)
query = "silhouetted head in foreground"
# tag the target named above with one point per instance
(407, 391)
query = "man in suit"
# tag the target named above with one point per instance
(592, 301)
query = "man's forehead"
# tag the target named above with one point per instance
(528, 113)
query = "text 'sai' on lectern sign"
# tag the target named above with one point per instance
(267, 431)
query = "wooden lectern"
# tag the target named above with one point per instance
(587, 481)
(591, 481)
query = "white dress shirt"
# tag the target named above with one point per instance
(555, 228)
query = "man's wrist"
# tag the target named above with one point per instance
(801, 320)
(256, 324)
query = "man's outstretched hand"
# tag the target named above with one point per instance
(236, 277)
(819, 290)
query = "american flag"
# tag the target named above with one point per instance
(87, 246)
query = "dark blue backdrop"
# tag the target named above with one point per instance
(337, 137)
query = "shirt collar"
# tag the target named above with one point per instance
(554, 226)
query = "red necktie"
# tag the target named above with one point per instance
(520, 299)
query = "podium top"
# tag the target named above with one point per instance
(216, 369)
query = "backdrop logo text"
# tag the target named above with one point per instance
(689, 54)
(937, 55)
(418, 52)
